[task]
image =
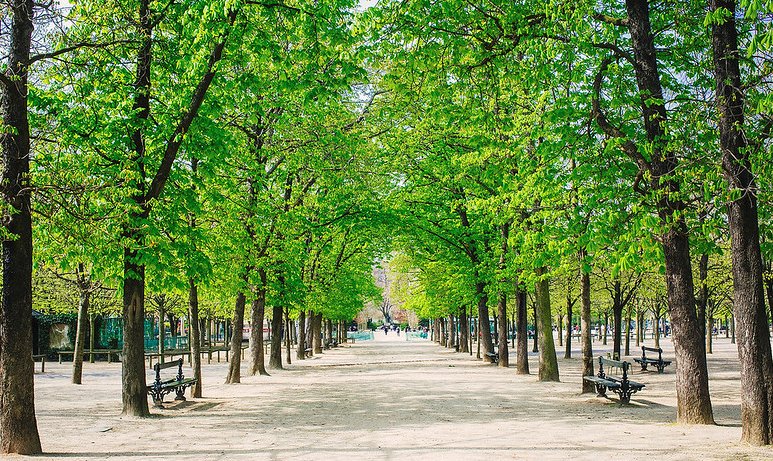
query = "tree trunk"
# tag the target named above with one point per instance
(301, 352)
(317, 333)
(477, 336)
(703, 295)
(161, 331)
(560, 327)
(585, 325)
(606, 327)
(80, 334)
(288, 334)
(710, 336)
(617, 314)
(451, 332)
(504, 359)
(18, 426)
(464, 329)
(195, 345)
(753, 338)
(548, 364)
(257, 315)
(628, 333)
(484, 325)
(275, 358)
(769, 288)
(522, 334)
(732, 329)
(443, 332)
(135, 400)
(92, 336)
(692, 382)
(536, 329)
(569, 314)
(639, 326)
(234, 368)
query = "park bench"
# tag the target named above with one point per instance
(178, 384)
(621, 386)
(494, 356)
(42, 358)
(308, 352)
(659, 362)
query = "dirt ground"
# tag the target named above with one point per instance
(390, 399)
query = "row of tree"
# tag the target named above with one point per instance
(547, 140)
(214, 150)
(266, 151)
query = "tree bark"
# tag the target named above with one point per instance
(275, 357)
(548, 363)
(617, 315)
(257, 315)
(569, 314)
(522, 334)
(234, 368)
(753, 338)
(606, 327)
(288, 335)
(301, 354)
(628, 332)
(703, 294)
(195, 345)
(134, 388)
(18, 426)
(80, 333)
(464, 328)
(316, 331)
(769, 289)
(560, 328)
(536, 329)
(585, 326)
(161, 331)
(504, 359)
(484, 324)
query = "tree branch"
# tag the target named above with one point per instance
(175, 139)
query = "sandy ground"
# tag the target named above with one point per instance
(390, 399)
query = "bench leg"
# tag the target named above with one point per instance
(180, 394)
(601, 390)
(661, 368)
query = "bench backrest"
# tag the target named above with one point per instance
(652, 349)
(612, 363)
(174, 363)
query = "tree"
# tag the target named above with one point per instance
(18, 426)
(753, 338)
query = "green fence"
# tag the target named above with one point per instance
(360, 335)
(414, 335)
